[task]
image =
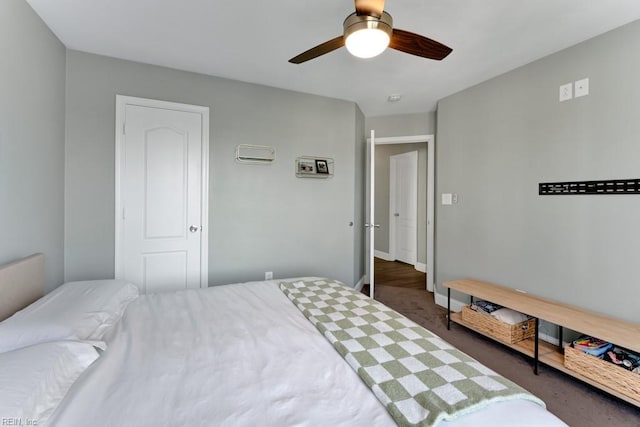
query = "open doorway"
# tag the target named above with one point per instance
(401, 210)
(390, 269)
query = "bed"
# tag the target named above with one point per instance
(239, 355)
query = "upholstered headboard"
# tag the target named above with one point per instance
(21, 283)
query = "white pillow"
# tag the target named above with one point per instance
(509, 316)
(35, 379)
(73, 311)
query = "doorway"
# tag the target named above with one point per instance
(161, 194)
(424, 263)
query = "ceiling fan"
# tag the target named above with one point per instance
(369, 31)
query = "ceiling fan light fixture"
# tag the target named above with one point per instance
(367, 43)
(367, 36)
(369, 31)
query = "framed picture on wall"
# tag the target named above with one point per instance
(306, 167)
(322, 167)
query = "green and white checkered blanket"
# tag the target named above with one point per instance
(417, 376)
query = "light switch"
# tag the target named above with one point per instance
(581, 88)
(447, 198)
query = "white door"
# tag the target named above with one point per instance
(161, 181)
(404, 207)
(370, 225)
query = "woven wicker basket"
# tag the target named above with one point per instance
(499, 330)
(617, 378)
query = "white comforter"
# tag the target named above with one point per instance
(235, 355)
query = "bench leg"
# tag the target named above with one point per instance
(560, 337)
(536, 349)
(448, 308)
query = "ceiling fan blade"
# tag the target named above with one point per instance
(418, 45)
(319, 50)
(370, 7)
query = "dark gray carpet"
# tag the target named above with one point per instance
(576, 403)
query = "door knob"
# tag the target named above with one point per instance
(194, 228)
(396, 214)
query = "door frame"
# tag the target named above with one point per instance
(430, 140)
(392, 203)
(121, 103)
(370, 214)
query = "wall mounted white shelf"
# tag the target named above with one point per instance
(314, 167)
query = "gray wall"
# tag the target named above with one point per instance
(383, 171)
(32, 73)
(498, 140)
(262, 218)
(401, 125)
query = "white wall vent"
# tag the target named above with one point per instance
(256, 154)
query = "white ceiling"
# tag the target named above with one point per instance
(253, 40)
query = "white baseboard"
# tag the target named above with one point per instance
(358, 286)
(383, 255)
(421, 266)
(441, 300)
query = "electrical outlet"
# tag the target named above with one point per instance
(581, 88)
(268, 275)
(566, 92)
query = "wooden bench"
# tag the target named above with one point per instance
(619, 332)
